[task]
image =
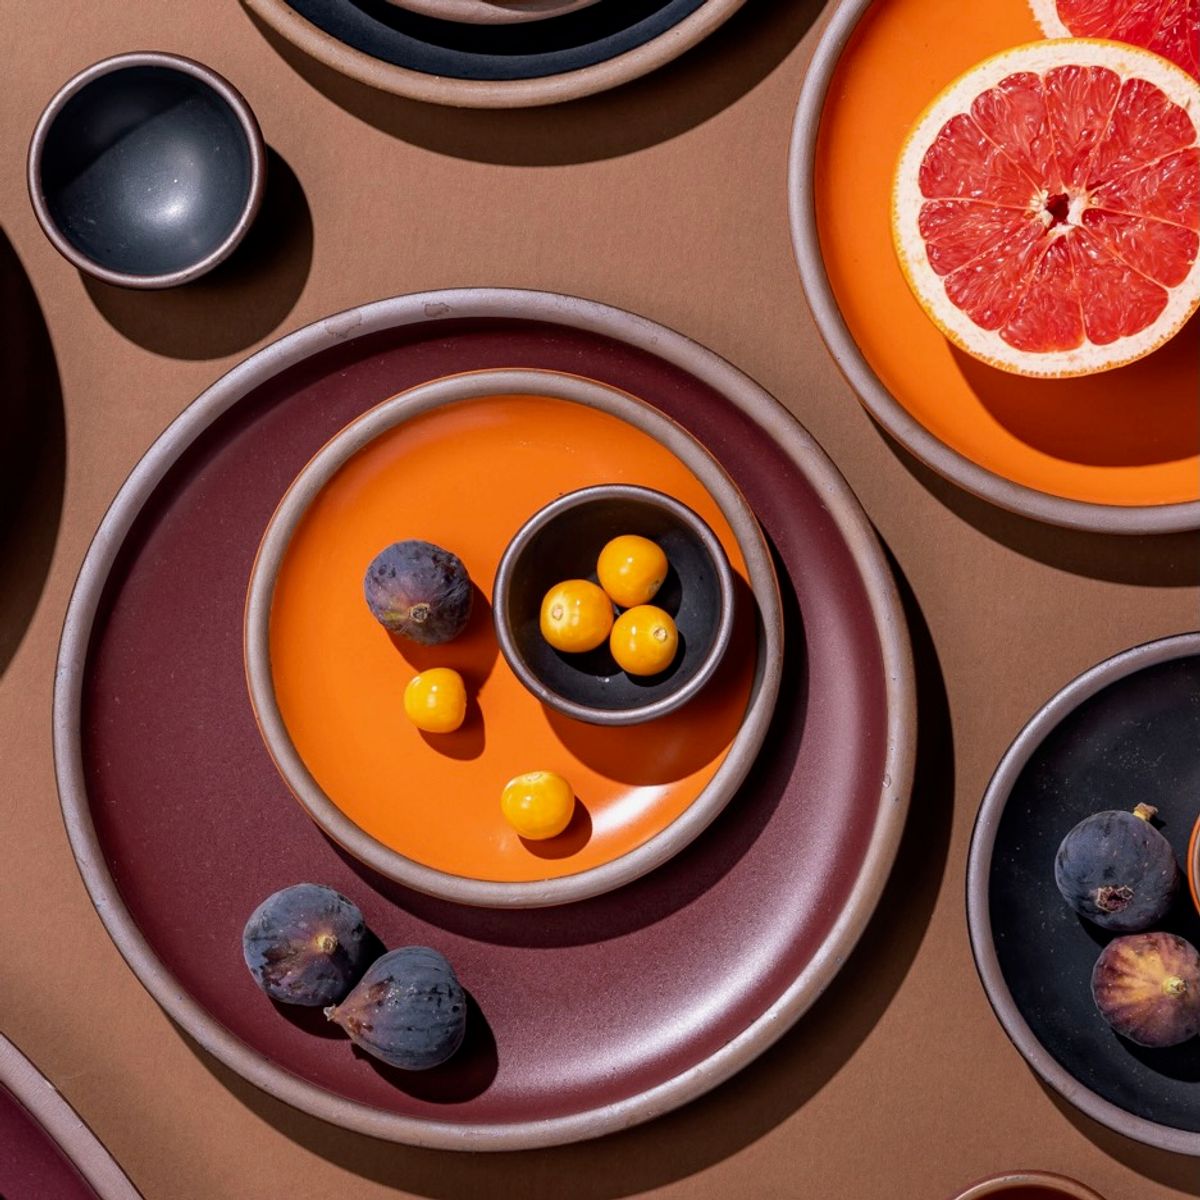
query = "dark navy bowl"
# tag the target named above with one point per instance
(146, 170)
(563, 541)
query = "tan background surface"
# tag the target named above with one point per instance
(667, 198)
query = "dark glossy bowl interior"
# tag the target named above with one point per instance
(146, 170)
(1136, 740)
(563, 542)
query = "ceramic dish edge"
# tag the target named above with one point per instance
(884, 408)
(50, 1109)
(498, 16)
(895, 651)
(506, 93)
(979, 861)
(743, 749)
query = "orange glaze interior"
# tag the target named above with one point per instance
(1125, 437)
(466, 476)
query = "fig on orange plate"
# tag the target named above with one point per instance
(1147, 987)
(420, 591)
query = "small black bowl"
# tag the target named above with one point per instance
(146, 170)
(562, 541)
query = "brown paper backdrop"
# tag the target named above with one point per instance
(667, 198)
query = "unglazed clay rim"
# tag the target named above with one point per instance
(1193, 865)
(63, 1125)
(712, 798)
(493, 93)
(878, 401)
(172, 62)
(810, 460)
(1069, 1189)
(716, 555)
(480, 12)
(979, 869)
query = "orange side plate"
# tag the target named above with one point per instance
(467, 476)
(1124, 437)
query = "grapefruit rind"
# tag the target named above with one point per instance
(1045, 13)
(927, 286)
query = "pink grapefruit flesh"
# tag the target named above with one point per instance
(1046, 207)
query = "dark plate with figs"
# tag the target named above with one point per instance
(1126, 732)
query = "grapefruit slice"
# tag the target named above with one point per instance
(1168, 27)
(1046, 207)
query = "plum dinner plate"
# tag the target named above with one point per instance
(1125, 732)
(48, 1153)
(493, 12)
(661, 989)
(493, 66)
(1116, 452)
(464, 462)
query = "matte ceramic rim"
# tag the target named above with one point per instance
(1071, 1189)
(713, 797)
(1194, 865)
(478, 12)
(63, 1125)
(879, 402)
(979, 869)
(424, 308)
(493, 93)
(206, 75)
(703, 534)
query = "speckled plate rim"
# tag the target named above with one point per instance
(878, 401)
(478, 12)
(63, 1125)
(844, 510)
(1069, 1189)
(979, 868)
(497, 93)
(713, 796)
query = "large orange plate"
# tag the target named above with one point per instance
(466, 476)
(1129, 437)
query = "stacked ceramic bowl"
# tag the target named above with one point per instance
(733, 811)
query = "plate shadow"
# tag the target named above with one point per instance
(1177, 1171)
(1150, 560)
(33, 452)
(668, 102)
(241, 301)
(1138, 415)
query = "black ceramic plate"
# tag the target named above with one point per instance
(1124, 732)
(491, 52)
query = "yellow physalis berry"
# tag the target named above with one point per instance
(576, 616)
(538, 804)
(644, 640)
(631, 569)
(436, 700)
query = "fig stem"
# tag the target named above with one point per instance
(1173, 985)
(327, 943)
(1145, 811)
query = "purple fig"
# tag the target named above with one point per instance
(306, 945)
(1117, 870)
(420, 591)
(1147, 987)
(408, 1009)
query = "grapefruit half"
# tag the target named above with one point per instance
(1168, 27)
(1046, 207)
